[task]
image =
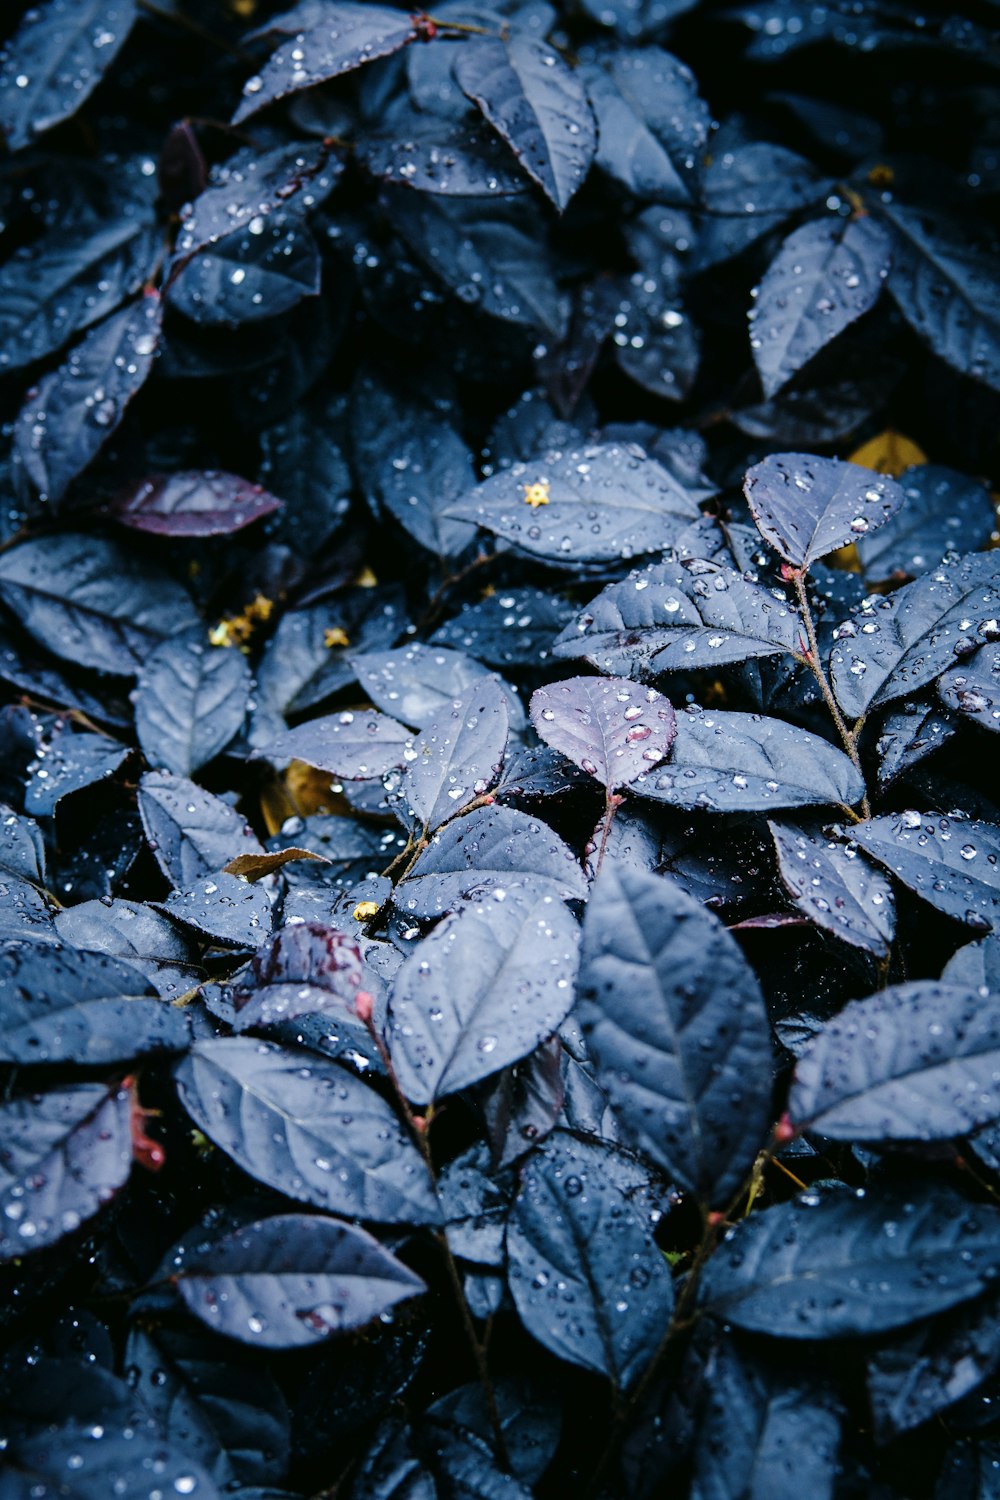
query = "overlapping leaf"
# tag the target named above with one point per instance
(190, 700)
(807, 507)
(457, 758)
(952, 863)
(944, 511)
(354, 744)
(652, 125)
(191, 832)
(973, 690)
(835, 888)
(611, 728)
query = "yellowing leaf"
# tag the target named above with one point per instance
(889, 453)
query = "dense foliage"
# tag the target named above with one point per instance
(500, 854)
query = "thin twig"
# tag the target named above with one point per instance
(848, 737)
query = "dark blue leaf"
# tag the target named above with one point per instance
(973, 690)
(455, 157)
(420, 682)
(511, 628)
(307, 658)
(652, 124)
(457, 759)
(254, 273)
(67, 763)
(190, 700)
(916, 1375)
(835, 888)
(943, 511)
(953, 863)
(225, 909)
(249, 187)
(748, 190)
(354, 745)
(807, 507)
(91, 1460)
(191, 832)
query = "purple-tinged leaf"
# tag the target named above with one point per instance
(915, 1062)
(806, 507)
(836, 1264)
(588, 505)
(586, 1276)
(193, 503)
(92, 602)
(482, 990)
(190, 700)
(826, 274)
(62, 1156)
(680, 616)
(356, 744)
(895, 645)
(489, 849)
(334, 39)
(292, 1280)
(191, 833)
(307, 1128)
(952, 863)
(55, 60)
(836, 888)
(534, 102)
(676, 1025)
(735, 762)
(611, 728)
(70, 415)
(305, 968)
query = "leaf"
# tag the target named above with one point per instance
(352, 745)
(338, 38)
(945, 284)
(69, 279)
(611, 728)
(457, 758)
(22, 847)
(636, 18)
(916, 1375)
(68, 418)
(587, 1279)
(56, 59)
(676, 1026)
(256, 866)
(973, 691)
(512, 628)
(483, 989)
(652, 125)
(293, 1279)
(952, 863)
(827, 274)
(228, 1415)
(192, 833)
(749, 189)
(86, 1460)
(680, 616)
(489, 254)
(729, 762)
(193, 503)
(64, 1155)
(250, 186)
(586, 505)
(529, 1420)
(536, 104)
(257, 272)
(835, 1265)
(944, 512)
(190, 700)
(806, 507)
(92, 602)
(420, 682)
(307, 1128)
(67, 763)
(457, 158)
(308, 658)
(486, 851)
(58, 1005)
(225, 909)
(143, 937)
(896, 645)
(304, 969)
(835, 889)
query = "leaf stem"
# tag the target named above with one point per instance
(847, 736)
(612, 802)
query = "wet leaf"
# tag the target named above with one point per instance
(420, 682)
(257, 272)
(807, 507)
(64, 1155)
(836, 888)
(67, 763)
(55, 60)
(611, 728)
(114, 1457)
(679, 616)
(91, 601)
(70, 415)
(586, 505)
(512, 628)
(676, 1025)
(250, 186)
(943, 512)
(534, 102)
(916, 1375)
(749, 190)
(225, 909)
(734, 762)
(308, 658)
(457, 758)
(652, 125)
(585, 1275)
(340, 37)
(291, 1280)
(308, 1128)
(483, 989)
(953, 863)
(306, 968)
(973, 690)
(190, 700)
(354, 744)
(192, 833)
(486, 851)
(826, 274)
(834, 1264)
(193, 503)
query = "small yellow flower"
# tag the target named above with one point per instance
(536, 494)
(335, 636)
(364, 910)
